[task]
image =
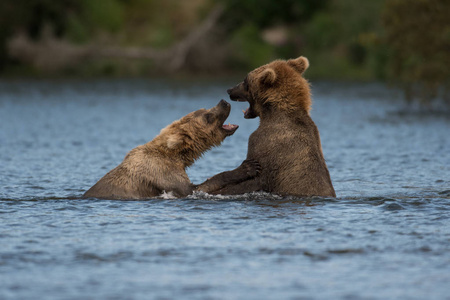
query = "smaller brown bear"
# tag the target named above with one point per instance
(287, 142)
(159, 165)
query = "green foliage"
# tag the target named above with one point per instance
(265, 13)
(418, 33)
(78, 20)
(322, 31)
(343, 41)
(30, 17)
(405, 40)
(245, 21)
(147, 22)
(92, 17)
(250, 51)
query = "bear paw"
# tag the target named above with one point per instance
(251, 168)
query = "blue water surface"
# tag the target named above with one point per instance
(386, 235)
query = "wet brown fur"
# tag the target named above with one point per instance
(159, 165)
(287, 143)
(288, 92)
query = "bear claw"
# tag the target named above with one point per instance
(251, 167)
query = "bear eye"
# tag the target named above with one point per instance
(209, 118)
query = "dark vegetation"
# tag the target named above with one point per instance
(401, 41)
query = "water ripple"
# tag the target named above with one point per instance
(387, 235)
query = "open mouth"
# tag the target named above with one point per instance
(248, 113)
(230, 128)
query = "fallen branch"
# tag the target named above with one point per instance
(51, 53)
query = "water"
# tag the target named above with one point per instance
(386, 236)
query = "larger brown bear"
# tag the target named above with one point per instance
(159, 165)
(286, 143)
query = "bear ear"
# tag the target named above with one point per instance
(174, 141)
(299, 64)
(268, 77)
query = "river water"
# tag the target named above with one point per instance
(386, 235)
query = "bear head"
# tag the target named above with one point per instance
(198, 131)
(277, 86)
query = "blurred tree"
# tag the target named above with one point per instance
(88, 18)
(77, 20)
(343, 40)
(246, 21)
(30, 17)
(418, 34)
(265, 13)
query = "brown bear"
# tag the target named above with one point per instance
(287, 143)
(159, 165)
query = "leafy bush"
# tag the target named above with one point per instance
(249, 50)
(418, 35)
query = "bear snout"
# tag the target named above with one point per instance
(224, 103)
(229, 91)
